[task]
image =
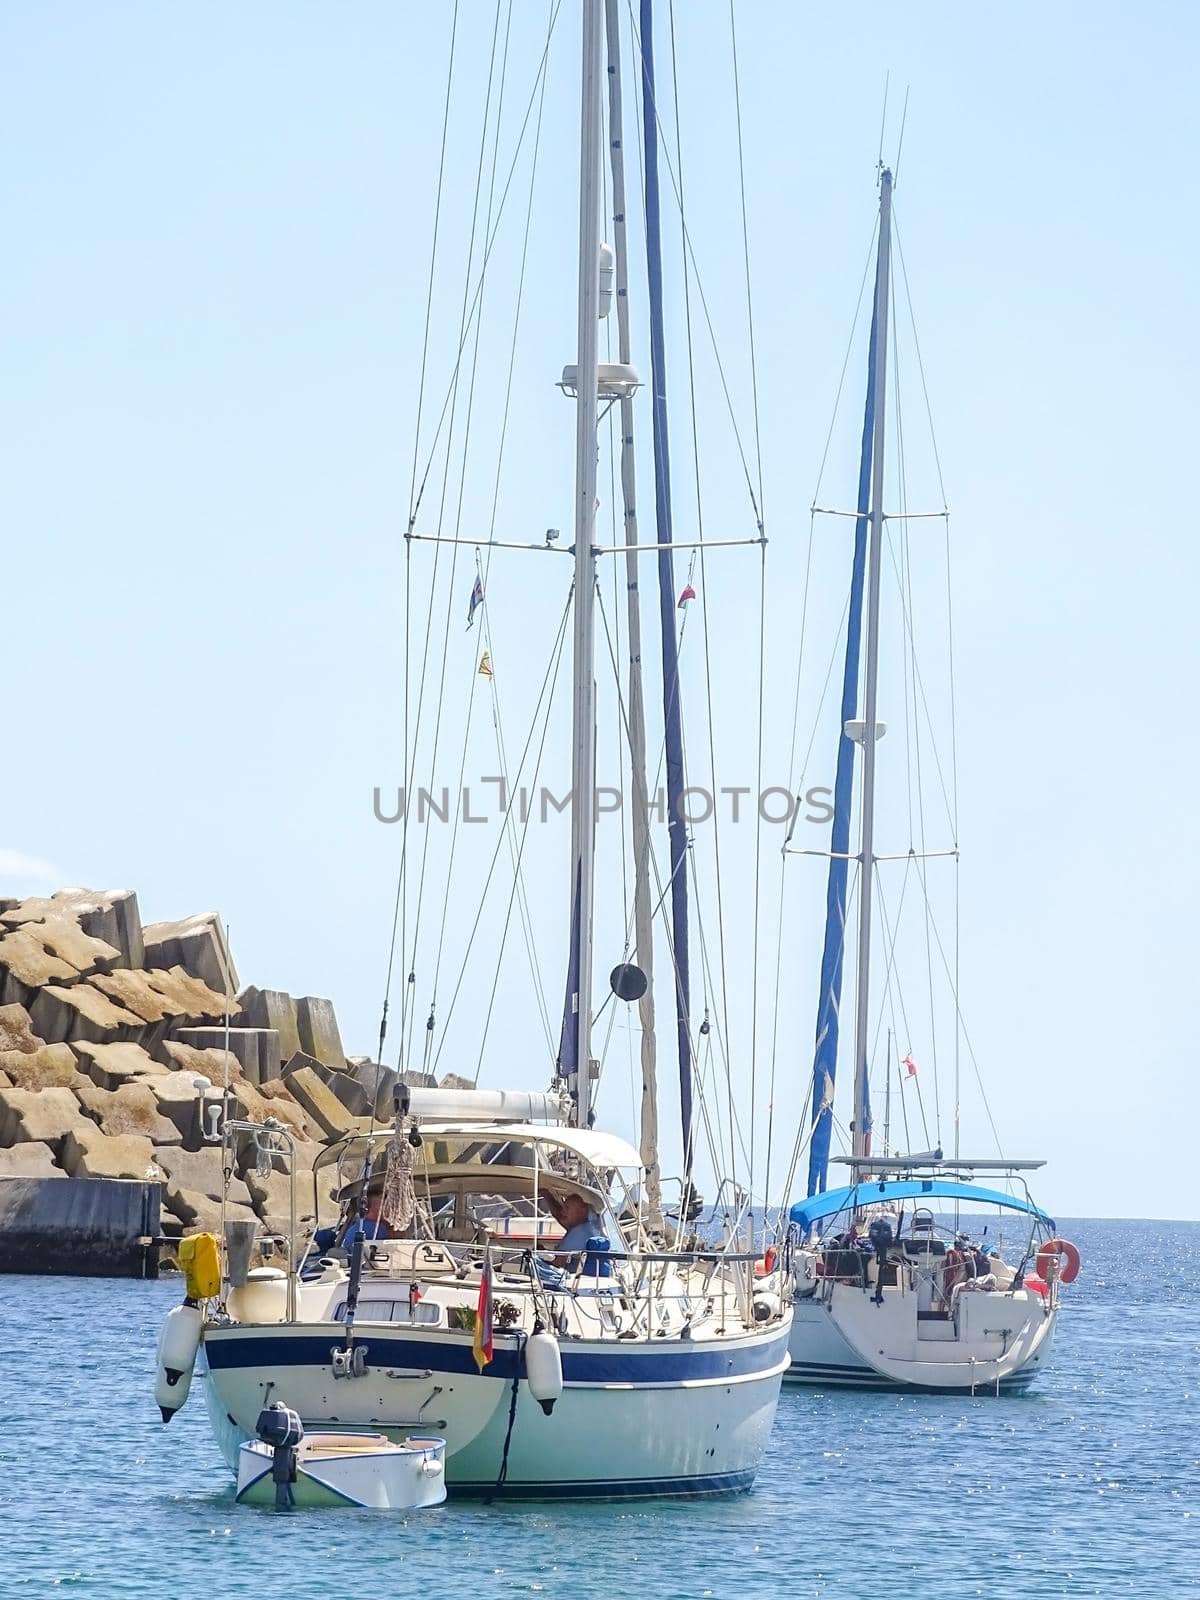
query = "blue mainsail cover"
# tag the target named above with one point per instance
(829, 998)
(875, 1191)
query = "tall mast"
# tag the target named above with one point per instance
(870, 732)
(829, 999)
(576, 1056)
(673, 729)
(642, 916)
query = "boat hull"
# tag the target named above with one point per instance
(385, 1478)
(822, 1354)
(635, 1419)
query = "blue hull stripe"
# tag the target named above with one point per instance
(616, 1489)
(679, 1363)
(862, 1377)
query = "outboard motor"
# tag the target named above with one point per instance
(881, 1236)
(280, 1428)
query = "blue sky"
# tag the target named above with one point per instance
(219, 229)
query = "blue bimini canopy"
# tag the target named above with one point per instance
(877, 1191)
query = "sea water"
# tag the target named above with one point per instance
(1089, 1485)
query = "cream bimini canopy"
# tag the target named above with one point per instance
(447, 1145)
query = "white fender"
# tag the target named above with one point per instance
(543, 1368)
(177, 1347)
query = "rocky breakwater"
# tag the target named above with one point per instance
(105, 1026)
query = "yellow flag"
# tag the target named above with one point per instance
(485, 664)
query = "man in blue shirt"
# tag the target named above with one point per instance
(368, 1224)
(579, 1224)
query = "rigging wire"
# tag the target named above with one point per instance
(490, 243)
(487, 1021)
(762, 604)
(659, 909)
(718, 876)
(400, 908)
(737, 101)
(547, 686)
(803, 637)
(700, 288)
(437, 215)
(516, 853)
(891, 932)
(904, 579)
(484, 572)
(466, 444)
(951, 665)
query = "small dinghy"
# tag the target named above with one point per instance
(285, 1466)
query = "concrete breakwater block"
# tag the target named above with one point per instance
(58, 948)
(133, 1108)
(193, 995)
(62, 936)
(318, 1029)
(248, 1100)
(201, 1171)
(80, 1011)
(88, 1152)
(16, 1030)
(41, 1116)
(322, 1105)
(111, 1065)
(50, 1066)
(343, 1084)
(175, 1096)
(26, 964)
(256, 1050)
(197, 944)
(378, 1082)
(89, 1227)
(201, 1213)
(271, 1008)
(270, 1195)
(108, 914)
(147, 994)
(29, 1161)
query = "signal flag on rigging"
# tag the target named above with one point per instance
(910, 1066)
(475, 602)
(485, 664)
(688, 594)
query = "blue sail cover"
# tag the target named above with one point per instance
(833, 954)
(673, 729)
(875, 1191)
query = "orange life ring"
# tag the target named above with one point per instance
(766, 1266)
(1053, 1250)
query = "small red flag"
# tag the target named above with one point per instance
(910, 1065)
(688, 594)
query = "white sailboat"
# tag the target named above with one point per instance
(606, 1367)
(887, 1293)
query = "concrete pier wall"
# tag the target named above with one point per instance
(88, 1227)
